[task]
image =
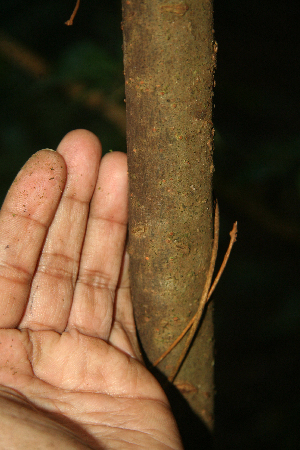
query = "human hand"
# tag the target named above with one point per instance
(71, 374)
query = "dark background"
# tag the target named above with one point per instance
(257, 177)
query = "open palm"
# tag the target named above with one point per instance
(70, 367)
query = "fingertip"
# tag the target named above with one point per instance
(52, 156)
(81, 150)
(119, 157)
(80, 138)
(114, 164)
(42, 177)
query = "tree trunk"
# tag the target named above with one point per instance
(169, 60)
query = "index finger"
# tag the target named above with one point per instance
(25, 216)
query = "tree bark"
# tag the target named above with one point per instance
(169, 60)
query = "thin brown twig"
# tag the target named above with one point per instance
(70, 21)
(233, 234)
(203, 299)
(178, 339)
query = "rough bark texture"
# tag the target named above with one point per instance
(169, 60)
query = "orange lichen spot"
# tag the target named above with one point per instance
(206, 394)
(147, 258)
(180, 9)
(209, 144)
(185, 387)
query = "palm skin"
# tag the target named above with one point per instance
(71, 374)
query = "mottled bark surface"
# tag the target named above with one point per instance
(169, 59)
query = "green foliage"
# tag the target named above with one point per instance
(86, 62)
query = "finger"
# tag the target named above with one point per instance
(25, 216)
(53, 284)
(123, 331)
(100, 265)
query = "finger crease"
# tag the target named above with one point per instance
(97, 284)
(104, 219)
(21, 275)
(31, 219)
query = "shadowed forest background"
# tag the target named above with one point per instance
(72, 77)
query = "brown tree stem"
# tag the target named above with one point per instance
(169, 61)
(203, 300)
(233, 235)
